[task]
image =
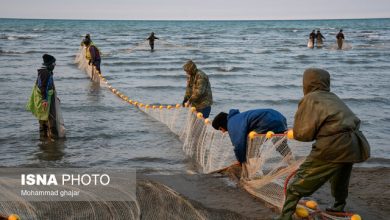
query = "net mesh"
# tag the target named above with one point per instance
(154, 201)
(270, 158)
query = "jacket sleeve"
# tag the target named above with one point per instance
(43, 78)
(307, 120)
(188, 93)
(200, 86)
(238, 132)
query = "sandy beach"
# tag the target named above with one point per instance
(368, 195)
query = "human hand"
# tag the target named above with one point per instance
(184, 102)
(44, 104)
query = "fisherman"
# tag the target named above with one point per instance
(324, 118)
(240, 124)
(340, 39)
(319, 37)
(92, 54)
(151, 39)
(42, 100)
(198, 91)
(312, 37)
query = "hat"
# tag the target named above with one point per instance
(189, 66)
(220, 121)
(48, 59)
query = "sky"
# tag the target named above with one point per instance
(195, 9)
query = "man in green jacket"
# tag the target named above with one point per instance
(198, 91)
(322, 116)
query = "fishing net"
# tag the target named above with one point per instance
(270, 157)
(154, 201)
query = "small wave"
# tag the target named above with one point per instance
(283, 50)
(368, 100)
(160, 87)
(302, 56)
(227, 68)
(18, 36)
(266, 52)
(153, 160)
(224, 76)
(160, 76)
(10, 52)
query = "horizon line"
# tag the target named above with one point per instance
(303, 19)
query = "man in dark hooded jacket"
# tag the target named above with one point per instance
(322, 116)
(198, 91)
(42, 100)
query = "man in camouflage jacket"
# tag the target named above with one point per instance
(198, 92)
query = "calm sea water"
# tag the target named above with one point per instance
(251, 64)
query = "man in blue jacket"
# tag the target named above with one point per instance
(240, 124)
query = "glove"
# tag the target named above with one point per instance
(184, 101)
(89, 62)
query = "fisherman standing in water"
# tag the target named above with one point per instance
(198, 91)
(340, 39)
(312, 38)
(92, 54)
(319, 37)
(42, 100)
(151, 39)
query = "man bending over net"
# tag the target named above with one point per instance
(240, 124)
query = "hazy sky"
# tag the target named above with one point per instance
(194, 9)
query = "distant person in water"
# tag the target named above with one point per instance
(312, 38)
(151, 39)
(239, 125)
(319, 37)
(340, 39)
(198, 92)
(42, 100)
(87, 37)
(92, 54)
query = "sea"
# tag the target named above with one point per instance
(250, 64)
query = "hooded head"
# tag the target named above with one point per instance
(48, 59)
(87, 41)
(220, 121)
(315, 79)
(190, 67)
(88, 37)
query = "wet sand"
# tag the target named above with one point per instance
(369, 194)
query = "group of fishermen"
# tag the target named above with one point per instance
(317, 38)
(321, 117)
